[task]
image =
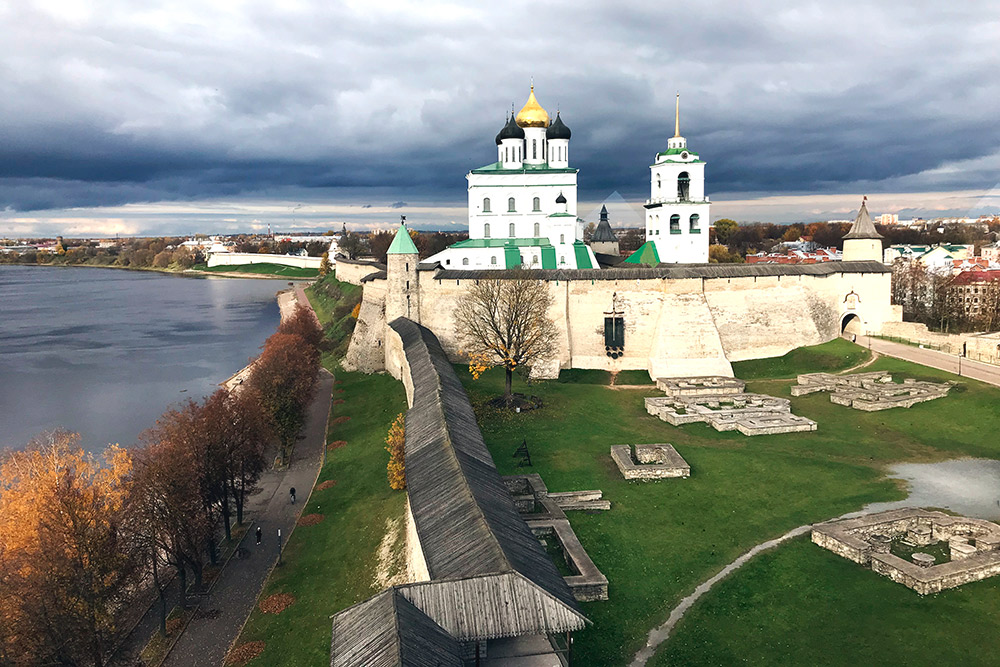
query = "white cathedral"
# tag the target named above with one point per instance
(522, 208)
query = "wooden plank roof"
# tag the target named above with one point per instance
(387, 630)
(465, 518)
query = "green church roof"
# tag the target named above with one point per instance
(402, 244)
(646, 254)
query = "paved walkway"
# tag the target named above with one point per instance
(976, 370)
(207, 639)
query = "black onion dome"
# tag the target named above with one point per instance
(561, 199)
(558, 129)
(510, 131)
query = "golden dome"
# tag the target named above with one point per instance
(532, 114)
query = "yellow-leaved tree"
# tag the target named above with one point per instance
(394, 443)
(67, 557)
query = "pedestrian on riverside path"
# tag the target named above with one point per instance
(259, 535)
(291, 494)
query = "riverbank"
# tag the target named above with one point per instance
(288, 300)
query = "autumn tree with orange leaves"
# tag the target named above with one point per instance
(67, 557)
(284, 377)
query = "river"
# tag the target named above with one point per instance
(104, 352)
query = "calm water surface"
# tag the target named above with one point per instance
(104, 352)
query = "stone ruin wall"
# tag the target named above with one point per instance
(673, 327)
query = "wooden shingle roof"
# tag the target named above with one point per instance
(386, 631)
(465, 518)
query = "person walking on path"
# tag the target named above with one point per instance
(259, 535)
(291, 494)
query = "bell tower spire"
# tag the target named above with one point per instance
(677, 117)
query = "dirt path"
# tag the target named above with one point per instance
(659, 635)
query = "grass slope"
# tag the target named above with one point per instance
(836, 355)
(661, 539)
(264, 268)
(330, 566)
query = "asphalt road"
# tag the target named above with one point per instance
(976, 370)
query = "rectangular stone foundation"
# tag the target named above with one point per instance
(654, 462)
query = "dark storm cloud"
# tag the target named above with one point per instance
(109, 103)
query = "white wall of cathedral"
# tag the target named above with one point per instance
(473, 259)
(681, 239)
(522, 206)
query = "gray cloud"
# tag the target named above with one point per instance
(113, 102)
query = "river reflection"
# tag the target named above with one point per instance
(104, 352)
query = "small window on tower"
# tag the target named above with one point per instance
(534, 149)
(675, 224)
(683, 186)
(693, 227)
(486, 205)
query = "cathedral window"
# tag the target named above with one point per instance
(536, 204)
(510, 230)
(683, 186)
(486, 230)
(534, 149)
(693, 227)
(486, 205)
(538, 229)
(659, 183)
(675, 224)
(562, 260)
(493, 259)
(510, 205)
(465, 261)
(562, 238)
(545, 150)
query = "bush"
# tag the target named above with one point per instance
(394, 444)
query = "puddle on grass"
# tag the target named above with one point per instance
(970, 487)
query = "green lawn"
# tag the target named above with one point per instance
(330, 566)
(803, 605)
(263, 268)
(836, 355)
(661, 539)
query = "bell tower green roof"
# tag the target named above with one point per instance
(402, 244)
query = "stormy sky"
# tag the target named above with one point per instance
(147, 117)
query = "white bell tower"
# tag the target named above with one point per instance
(677, 211)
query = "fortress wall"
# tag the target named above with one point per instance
(673, 327)
(365, 352)
(769, 316)
(353, 270)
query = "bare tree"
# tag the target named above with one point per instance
(505, 322)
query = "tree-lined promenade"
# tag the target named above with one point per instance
(84, 534)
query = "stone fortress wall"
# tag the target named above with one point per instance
(683, 321)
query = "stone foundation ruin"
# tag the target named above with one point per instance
(649, 462)
(544, 512)
(721, 403)
(970, 547)
(870, 391)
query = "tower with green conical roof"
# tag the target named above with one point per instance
(402, 294)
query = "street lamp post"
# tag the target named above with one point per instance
(279, 546)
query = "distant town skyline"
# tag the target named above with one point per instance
(213, 118)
